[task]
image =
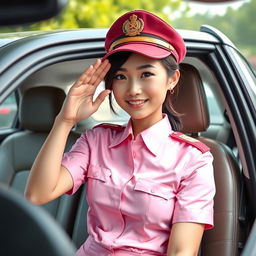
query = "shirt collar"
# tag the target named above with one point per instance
(159, 131)
(127, 132)
(154, 136)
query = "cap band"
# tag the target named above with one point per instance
(145, 39)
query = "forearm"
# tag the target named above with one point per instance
(182, 253)
(46, 170)
(185, 239)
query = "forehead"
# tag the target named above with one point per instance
(137, 60)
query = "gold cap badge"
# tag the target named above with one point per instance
(133, 26)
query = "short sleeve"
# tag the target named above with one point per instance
(194, 198)
(76, 162)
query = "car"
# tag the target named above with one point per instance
(8, 110)
(216, 82)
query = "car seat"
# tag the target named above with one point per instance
(38, 109)
(226, 238)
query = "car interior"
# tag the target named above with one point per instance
(204, 115)
(31, 226)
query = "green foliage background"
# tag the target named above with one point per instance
(239, 25)
(100, 13)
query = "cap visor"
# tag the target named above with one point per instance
(147, 50)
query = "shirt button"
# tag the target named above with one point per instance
(134, 154)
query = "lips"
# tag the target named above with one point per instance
(136, 103)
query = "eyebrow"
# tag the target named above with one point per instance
(145, 66)
(138, 68)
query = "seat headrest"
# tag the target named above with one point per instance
(39, 107)
(190, 100)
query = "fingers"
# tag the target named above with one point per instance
(98, 78)
(94, 74)
(101, 97)
(90, 71)
(100, 71)
(81, 79)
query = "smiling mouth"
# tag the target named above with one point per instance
(136, 103)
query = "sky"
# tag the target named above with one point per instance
(213, 8)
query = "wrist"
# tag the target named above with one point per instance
(68, 124)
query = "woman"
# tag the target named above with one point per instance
(150, 192)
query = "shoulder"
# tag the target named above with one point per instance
(112, 127)
(116, 127)
(103, 133)
(105, 129)
(190, 141)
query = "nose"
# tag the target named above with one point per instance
(134, 87)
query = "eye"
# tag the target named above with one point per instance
(147, 74)
(119, 77)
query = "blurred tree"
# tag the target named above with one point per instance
(245, 29)
(101, 13)
(238, 25)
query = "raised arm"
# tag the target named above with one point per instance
(48, 179)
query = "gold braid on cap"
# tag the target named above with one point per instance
(141, 39)
(132, 29)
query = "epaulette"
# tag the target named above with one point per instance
(112, 126)
(191, 141)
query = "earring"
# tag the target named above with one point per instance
(171, 91)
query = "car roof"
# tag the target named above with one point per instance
(6, 38)
(16, 45)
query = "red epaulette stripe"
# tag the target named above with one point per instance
(191, 141)
(112, 126)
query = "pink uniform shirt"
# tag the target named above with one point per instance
(136, 189)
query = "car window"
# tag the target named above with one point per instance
(216, 115)
(248, 72)
(8, 112)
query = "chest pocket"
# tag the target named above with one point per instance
(98, 173)
(99, 188)
(152, 188)
(156, 201)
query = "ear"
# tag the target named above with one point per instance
(173, 80)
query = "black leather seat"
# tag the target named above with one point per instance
(38, 108)
(27, 230)
(228, 234)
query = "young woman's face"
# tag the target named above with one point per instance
(140, 87)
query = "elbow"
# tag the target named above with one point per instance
(34, 199)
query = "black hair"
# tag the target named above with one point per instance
(118, 59)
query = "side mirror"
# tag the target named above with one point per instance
(16, 12)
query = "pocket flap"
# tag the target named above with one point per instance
(98, 172)
(153, 188)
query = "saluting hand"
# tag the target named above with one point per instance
(79, 103)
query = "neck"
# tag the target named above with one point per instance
(139, 125)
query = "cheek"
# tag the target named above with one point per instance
(118, 91)
(157, 90)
